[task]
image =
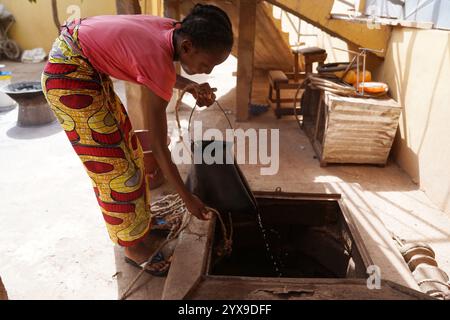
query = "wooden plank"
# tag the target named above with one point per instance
(246, 46)
(189, 259)
(274, 44)
(253, 288)
(319, 114)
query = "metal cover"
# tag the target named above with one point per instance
(246, 288)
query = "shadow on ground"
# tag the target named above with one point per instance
(27, 133)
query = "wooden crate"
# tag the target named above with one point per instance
(353, 130)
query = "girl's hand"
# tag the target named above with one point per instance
(196, 207)
(204, 94)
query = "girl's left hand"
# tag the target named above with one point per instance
(204, 94)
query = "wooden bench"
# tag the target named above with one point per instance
(311, 55)
(279, 81)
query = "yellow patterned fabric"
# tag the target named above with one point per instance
(97, 125)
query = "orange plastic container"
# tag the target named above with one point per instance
(373, 87)
(351, 77)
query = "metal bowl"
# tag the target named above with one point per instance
(33, 107)
(24, 88)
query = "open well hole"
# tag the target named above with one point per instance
(307, 238)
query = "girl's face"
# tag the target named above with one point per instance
(195, 61)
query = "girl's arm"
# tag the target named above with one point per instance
(182, 82)
(155, 117)
(203, 93)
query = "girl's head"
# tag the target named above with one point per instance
(204, 39)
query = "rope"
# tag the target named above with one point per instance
(397, 240)
(436, 293)
(440, 295)
(178, 104)
(169, 238)
(171, 208)
(177, 109)
(228, 240)
(434, 281)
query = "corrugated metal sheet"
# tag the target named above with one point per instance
(442, 15)
(385, 8)
(434, 11)
(359, 130)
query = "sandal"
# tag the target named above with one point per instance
(160, 224)
(164, 224)
(159, 257)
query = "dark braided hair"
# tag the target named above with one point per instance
(208, 27)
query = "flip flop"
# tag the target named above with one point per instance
(159, 257)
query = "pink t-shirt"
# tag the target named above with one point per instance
(135, 48)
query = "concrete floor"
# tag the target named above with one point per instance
(54, 245)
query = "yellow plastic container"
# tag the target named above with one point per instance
(350, 77)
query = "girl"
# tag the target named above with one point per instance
(140, 49)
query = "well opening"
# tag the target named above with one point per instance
(306, 238)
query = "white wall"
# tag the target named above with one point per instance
(417, 69)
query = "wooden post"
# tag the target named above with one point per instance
(246, 48)
(296, 66)
(362, 6)
(128, 7)
(172, 9)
